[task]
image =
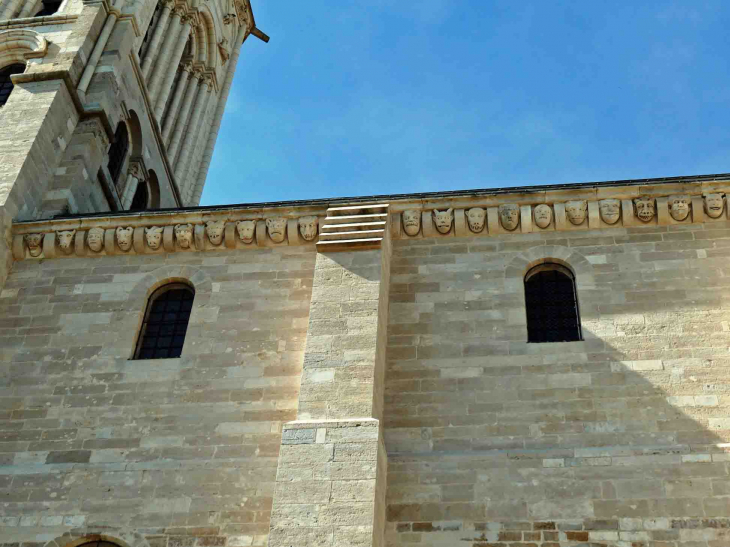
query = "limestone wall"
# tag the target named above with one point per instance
(616, 440)
(179, 452)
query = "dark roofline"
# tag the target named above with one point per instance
(423, 195)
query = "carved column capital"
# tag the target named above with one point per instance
(137, 169)
(180, 11)
(192, 19)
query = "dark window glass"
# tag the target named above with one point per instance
(552, 307)
(139, 201)
(166, 322)
(49, 8)
(6, 85)
(118, 151)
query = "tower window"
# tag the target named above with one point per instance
(118, 151)
(165, 322)
(6, 84)
(139, 201)
(49, 8)
(552, 306)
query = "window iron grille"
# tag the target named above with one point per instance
(166, 322)
(551, 305)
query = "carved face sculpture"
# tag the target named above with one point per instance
(184, 235)
(66, 240)
(543, 214)
(34, 243)
(153, 235)
(576, 211)
(475, 218)
(276, 228)
(246, 230)
(714, 205)
(411, 222)
(509, 216)
(645, 208)
(308, 227)
(214, 229)
(679, 207)
(124, 238)
(610, 210)
(95, 239)
(443, 220)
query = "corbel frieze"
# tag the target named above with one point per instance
(489, 219)
(121, 238)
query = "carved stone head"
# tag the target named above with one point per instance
(679, 207)
(714, 205)
(543, 214)
(443, 220)
(509, 216)
(276, 228)
(214, 229)
(34, 243)
(184, 235)
(576, 211)
(153, 235)
(475, 217)
(124, 237)
(95, 239)
(308, 227)
(645, 208)
(610, 210)
(66, 240)
(246, 230)
(412, 222)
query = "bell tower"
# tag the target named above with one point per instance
(111, 106)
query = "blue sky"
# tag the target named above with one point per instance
(392, 96)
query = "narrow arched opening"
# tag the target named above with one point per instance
(551, 304)
(6, 84)
(165, 323)
(118, 151)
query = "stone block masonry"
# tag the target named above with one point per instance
(181, 450)
(383, 396)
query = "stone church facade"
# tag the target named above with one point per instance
(531, 367)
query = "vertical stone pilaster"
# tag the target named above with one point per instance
(330, 485)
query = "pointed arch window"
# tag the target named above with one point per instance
(118, 151)
(165, 322)
(141, 197)
(552, 304)
(6, 84)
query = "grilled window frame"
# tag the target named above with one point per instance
(551, 302)
(6, 84)
(163, 330)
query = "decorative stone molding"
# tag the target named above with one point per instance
(357, 226)
(20, 45)
(91, 240)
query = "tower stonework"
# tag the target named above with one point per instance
(115, 106)
(530, 367)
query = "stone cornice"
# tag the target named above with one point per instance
(481, 213)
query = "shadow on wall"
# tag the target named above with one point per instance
(616, 438)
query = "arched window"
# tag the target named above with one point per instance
(139, 201)
(118, 151)
(165, 322)
(552, 306)
(99, 543)
(6, 84)
(49, 8)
